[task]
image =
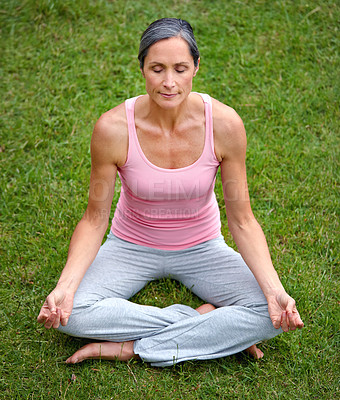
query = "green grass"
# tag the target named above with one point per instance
(63, 63)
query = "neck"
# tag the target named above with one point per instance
(167, 119)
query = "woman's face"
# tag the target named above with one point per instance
(168, 71)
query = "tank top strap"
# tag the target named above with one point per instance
(209, 147)
(130, 113)
(130, 116)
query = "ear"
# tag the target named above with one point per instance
(142, 72)
(198, 67)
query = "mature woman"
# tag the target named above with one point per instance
(167, 146)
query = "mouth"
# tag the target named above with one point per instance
(168, 96)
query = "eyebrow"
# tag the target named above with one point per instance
(184, 63)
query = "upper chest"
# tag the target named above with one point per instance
(176, 149)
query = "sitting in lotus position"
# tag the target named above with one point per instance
(167, 146)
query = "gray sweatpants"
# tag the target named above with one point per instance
(165, 336)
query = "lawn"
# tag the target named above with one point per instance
(63, 63)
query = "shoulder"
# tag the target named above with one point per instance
(111, 124)
(110, 135)
(229, 133)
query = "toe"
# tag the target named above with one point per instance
(88, 351)
(255, 352)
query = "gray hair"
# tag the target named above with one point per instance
(166, 28)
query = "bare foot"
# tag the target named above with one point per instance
(104, 351)
(205, 308)
(255, 352)
(252, 350)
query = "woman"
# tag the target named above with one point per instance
(167, 146)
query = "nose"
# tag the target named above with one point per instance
(169, 81)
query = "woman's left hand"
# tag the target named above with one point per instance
(283, 312)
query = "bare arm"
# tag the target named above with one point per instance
(108, 150)
(230, 145)
(88, 235)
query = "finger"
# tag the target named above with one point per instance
(284, 322)
(291, 307)
(291, 319)
(51, 304)
(63, 319)
(299, 322)
(50, 320)
(43, 315)
(56, 321)
(276, 323)
(295, 321)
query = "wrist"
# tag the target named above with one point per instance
(273, 291)
(68, 285)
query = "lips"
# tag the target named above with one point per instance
(168, 96)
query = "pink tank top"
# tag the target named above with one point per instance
(168, 209)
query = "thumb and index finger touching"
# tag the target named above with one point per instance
(284, 313)
(51, 304)
(292, 316)
(52, 312)
(48, 312)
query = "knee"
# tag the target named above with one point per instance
(266, 325)
(74, 326)
(87, 319)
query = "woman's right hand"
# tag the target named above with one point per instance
(57, 308)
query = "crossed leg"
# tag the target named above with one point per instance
(127, 329)
(124, 351)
